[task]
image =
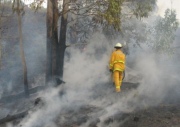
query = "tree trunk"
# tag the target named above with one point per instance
(49, 42)
(62, 39)
(25, 80)
(52, 39)
(55, 37)
(55, 48)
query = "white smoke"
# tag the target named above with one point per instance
(88, 83)
(45, 114)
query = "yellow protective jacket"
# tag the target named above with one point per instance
(117, 61)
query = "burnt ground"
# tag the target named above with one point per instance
(160, 116)
(163, 115)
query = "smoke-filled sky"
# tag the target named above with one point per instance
(164, 4)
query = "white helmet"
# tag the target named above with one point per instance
(118, 45)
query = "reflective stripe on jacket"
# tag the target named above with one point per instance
(117, 61)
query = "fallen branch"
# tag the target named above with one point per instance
(9, 118)
(21, 95)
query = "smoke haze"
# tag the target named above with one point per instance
(88, 81)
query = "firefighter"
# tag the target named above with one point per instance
(117, 66)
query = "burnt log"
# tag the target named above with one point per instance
(9, 118)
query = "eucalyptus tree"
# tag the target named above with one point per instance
(18, 7)
(108, 13)
(133, 28)
(158, 34)
(52, 39)
(164, 32)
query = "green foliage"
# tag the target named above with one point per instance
(165, 32)
(142, 8)
(113, 13)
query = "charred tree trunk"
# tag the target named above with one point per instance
(52, 39)
(25, 79)
(49, 21)
(48, 59)
(55, 48)
(62, 39)
(55, 37)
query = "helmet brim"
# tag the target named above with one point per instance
(117, 47)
